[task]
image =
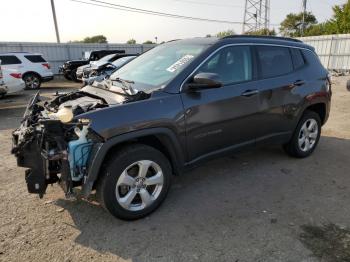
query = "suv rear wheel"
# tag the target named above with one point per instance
(134, 182)
(306, 136)
(32, 81)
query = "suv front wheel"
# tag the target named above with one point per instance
(32, 81)
(306, 136)
(135, 182)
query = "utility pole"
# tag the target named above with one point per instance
(256, 15)
(55, 21)
(303, 22)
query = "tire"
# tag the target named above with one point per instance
(73, 76)
(32, 81)
(122, 188)
(66, 76)
(306, 136)
(348, 85)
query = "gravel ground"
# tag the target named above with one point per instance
(253, 206)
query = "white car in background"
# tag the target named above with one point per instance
(10, 81)
(3, 88)
(33, 67)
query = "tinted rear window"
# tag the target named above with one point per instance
(35, 58)
(274, 61)
(9, 60)
(298, 59)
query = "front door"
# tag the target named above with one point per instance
(223, 118)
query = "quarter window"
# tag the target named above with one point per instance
(232, 65)
(35, 58)
(9, 60)
(274, 61)
(298, 59)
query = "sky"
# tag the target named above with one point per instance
(31, 20)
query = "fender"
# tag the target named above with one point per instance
(165, 135)
(313, 99)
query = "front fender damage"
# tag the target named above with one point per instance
(53, 151)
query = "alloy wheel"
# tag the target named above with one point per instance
(139, 185)
(32, 82)
(308, 135)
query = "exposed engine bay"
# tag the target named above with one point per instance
(55, 144)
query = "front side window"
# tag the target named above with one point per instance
(274, 61)
(160, 65)
(10, 60)
(232, 65)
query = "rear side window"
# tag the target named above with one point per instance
(35, 58)
(9, 60)
(274, 61)
(298, 59)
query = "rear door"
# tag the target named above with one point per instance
(278, 80)
(223, 118)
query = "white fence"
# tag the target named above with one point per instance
(57, 54)
(333, 50)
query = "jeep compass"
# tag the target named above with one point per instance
(174, 107)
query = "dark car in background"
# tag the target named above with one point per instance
(170, 109)
(69, 68)
(100, 72)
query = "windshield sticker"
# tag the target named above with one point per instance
(183, 60)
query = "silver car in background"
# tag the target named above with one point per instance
(100, 72)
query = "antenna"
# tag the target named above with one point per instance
(256, 15)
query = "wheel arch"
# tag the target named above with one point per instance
(320, 109)
(31, 72)
(162, 139)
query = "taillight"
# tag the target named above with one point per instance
(0, 73)
(16, 75)
(47, 65)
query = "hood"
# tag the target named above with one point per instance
(76, 62)
(90, 98)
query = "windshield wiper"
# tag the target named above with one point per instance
(127, 85)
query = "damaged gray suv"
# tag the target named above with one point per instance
(170, 109)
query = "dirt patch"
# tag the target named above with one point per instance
(328, 242)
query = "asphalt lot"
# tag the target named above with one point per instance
(255, 206)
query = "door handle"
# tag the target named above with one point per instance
(249, 93)
(298, 83)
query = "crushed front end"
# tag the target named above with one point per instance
(53, 144)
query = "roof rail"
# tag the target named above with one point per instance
(264, 37)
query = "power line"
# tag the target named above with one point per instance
(207, 3)
(150, 12)
(156, 13)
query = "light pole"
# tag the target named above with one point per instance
(304, 13)
(55, 21)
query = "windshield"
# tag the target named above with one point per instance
(86, 55)
(106, 58)
(122, 61)
(158, 66)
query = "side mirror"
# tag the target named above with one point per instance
(348, 85)
(204, 81)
